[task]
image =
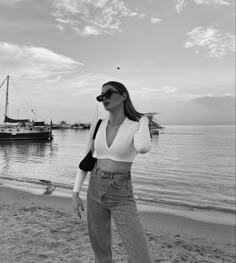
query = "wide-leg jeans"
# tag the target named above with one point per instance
(111, 194)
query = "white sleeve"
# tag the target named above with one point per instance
(142, 139)
(81, 175)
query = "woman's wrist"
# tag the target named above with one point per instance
(144, 119)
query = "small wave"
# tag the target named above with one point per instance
(137, 197)
(192, 206)
(36, 181)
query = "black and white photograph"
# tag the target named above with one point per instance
(117, 131)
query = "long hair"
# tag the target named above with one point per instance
(129, 108)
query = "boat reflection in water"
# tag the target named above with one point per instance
(25, 165)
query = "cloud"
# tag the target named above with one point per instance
(10, 2)
(181, 4)
(211, 2)
(168, 90)
(141, 16)
(154, 20)
(212, 41)
(40, 67)
(34, 62)
(88, 17)
(48, 82)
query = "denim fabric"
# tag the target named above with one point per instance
(111, 194)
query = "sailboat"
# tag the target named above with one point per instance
(22, 129)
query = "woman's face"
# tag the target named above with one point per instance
(114, 101)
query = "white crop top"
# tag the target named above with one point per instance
(131, 138)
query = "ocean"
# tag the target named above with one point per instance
(191, 166)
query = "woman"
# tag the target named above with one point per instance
(110, 191)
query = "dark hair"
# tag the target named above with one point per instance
(129, 109)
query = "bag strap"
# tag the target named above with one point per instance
(97, 127)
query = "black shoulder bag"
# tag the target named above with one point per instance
(88, 163)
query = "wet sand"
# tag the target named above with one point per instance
(43, 228)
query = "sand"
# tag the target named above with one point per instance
(42, 228)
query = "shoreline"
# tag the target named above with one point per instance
(197, 214)
(44, 228)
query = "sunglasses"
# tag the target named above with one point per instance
(106, 95)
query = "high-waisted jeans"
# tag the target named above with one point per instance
(111, 194)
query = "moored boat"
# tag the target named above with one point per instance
(23, 129)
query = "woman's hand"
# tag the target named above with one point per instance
(150, 116)
(77, 204)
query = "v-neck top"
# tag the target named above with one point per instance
(131, 138)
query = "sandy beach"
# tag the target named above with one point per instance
(43, 228)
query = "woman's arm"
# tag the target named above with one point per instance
(142, 139)
(81, 175)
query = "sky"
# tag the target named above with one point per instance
(176, 58)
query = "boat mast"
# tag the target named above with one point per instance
(95, 116)
(6, 105)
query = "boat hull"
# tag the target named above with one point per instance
(31, 136)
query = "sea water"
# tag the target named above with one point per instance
(191, 166)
